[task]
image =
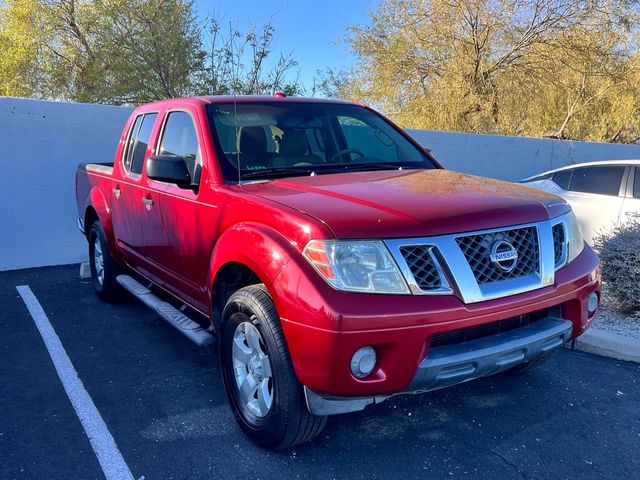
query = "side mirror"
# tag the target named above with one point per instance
(169, 168)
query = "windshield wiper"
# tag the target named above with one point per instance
(277, 172)
(270, 172)
(362, 167)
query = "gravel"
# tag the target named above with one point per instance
(615, 322)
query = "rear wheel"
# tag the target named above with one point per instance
(266, 398)
(104, 268)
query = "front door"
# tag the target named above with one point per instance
(179, 230)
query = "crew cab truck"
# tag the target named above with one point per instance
(335, 261)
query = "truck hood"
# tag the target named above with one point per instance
(388, 204)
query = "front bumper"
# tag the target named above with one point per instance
(324, 327)
(453, 364)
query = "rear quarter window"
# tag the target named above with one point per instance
(562, 178)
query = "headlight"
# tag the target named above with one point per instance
(356, 266)
(575, 242)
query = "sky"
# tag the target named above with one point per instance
(312, 29)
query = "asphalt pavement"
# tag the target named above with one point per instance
(162, 400)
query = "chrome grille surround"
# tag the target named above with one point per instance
(457, 275)
(423, 267)
(477, 249)
(559, 244)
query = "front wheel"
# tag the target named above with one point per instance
(266, 398)
(104, 268)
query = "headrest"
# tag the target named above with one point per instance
(294, 142)
(252, 140)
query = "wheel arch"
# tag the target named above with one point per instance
(231, 277)
(90, 216)
(232, 267)
(98, 209)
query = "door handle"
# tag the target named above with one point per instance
(633, 214)
(147, 202)
(117, 192)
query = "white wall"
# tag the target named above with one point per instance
(42, 142)
(515, 158)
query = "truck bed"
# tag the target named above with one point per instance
(89, 175)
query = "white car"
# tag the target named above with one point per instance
(602, 194)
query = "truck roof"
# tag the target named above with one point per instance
(244, 99)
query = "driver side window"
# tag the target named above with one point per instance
(180, 138)
(366, 141)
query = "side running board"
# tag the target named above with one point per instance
(190, 329)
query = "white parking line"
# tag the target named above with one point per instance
(104, 446)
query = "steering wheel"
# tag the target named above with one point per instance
(346, 150)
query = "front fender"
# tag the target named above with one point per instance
(262, 249)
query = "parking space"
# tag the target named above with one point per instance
(163, 402)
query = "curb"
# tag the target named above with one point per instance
(85, 271)
(608, 344)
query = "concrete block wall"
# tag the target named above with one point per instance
(42, 142)
(515, 158)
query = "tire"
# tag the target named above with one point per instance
(525, 367)
(272, 412)
(105, 271)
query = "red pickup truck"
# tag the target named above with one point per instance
(337, 263)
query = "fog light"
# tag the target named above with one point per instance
(592, 303)
(363, 362)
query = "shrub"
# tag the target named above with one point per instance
(620, 257)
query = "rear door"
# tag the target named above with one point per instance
(596, 196)
(126, 193)
(631, 208)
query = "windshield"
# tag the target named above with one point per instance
(280, 139)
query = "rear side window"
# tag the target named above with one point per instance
(598, 180)
(133, 135)
(138, 142)
(180, 138)
(636, 187)
(562, 179)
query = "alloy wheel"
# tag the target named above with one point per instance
(252, 370)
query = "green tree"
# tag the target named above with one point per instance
(530, 67)
(23, 34)
(110, 51)
(132, 51)
(145, 50)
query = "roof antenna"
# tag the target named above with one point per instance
(234, 79)
(235, 115)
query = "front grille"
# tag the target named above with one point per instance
(422, 267)
(486, 329)
(477, 250)
(558, 243)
